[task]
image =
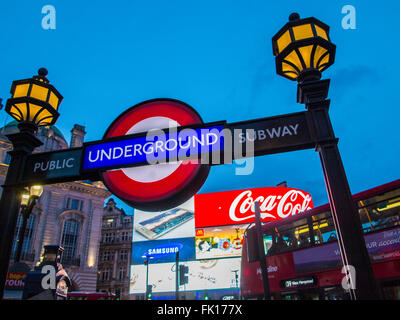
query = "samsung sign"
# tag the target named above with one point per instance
(153, 148)
(161, 251)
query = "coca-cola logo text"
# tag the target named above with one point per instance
(237, 206)
(272, 207)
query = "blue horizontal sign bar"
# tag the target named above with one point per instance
(172, 145)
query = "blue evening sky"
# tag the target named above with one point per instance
(105, 56)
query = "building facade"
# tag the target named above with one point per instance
(67, 214)
(115, 251)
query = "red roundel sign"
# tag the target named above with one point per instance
(160, 186)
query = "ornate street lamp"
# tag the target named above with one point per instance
(303, 50)
(33, 103)
(28, 201)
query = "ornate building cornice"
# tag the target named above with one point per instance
(84, 188)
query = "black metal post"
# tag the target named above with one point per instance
(24, 142)
(344, 212)
(261, 252)
(177, 277)
(147, 276)
(236, 278)
(21, 236)
(25, 212)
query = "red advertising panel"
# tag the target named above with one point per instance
(15, 280)
(236, 207)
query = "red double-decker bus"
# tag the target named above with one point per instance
(303, 256)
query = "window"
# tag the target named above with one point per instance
(7, 158)
(109, 237)
(109, 223)
(324, 229)
(108, 256)
(127, 222)
(28, 234)
(380, 212)
(105, 275)
(123, 255)
(294, 235)
(121, 274)
(125, 236)
(69, 239)
(74, 204)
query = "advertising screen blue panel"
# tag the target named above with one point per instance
(163, 251)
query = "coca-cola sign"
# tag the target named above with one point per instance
(237, 207)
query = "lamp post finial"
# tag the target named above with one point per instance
(43, 72)
(294, 17)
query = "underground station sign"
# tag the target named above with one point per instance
(158, 153)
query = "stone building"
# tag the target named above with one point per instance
(115, 251)
(68, 214)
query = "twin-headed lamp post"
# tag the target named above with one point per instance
(34, 103)
(28, 201)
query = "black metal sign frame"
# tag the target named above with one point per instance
(277, 134)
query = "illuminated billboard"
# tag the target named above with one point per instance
(162, 251)
(236, 207)
(202, 275)
(220, 241)
(208, 231)
(174, 223)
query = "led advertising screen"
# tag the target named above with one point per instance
(162, 251)
(174, 223)
(236, 207)
(203, 275)
(220, 241)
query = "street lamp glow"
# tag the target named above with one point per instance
(34, 101)
(303, 49)
(36, 191)
(25, 198)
